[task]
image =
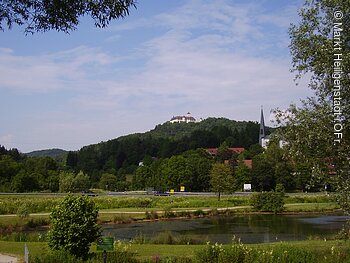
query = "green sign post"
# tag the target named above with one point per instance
(105, 244)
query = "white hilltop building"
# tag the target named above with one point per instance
(183, 118)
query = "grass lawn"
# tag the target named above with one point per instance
(320, 248)
(311, 207)
(17, 248)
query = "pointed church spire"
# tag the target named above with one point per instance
(262, 127)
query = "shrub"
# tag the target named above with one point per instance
(268, 202)
(210, 253)
(238, 253)
(190, 240)
(166, 237)
(198, 212)
(139, 239)
(35, 222)
(289, 254)
(74, 225)
(280, 188)
(159, 259)
(151, 215)
(23, 211)
(56, 257)
(344, 233)
(168, 213)
(122, 219)
(184, 214)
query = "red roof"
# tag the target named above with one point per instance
(248, 163)
(214, 151)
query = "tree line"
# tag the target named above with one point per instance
(196, 170)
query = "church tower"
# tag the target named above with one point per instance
(262, 127)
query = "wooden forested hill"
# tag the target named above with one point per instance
(163, 141)
(179, 130)
(49, 152)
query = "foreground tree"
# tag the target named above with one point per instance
(318, 132)
(74, 226)
(60, 15)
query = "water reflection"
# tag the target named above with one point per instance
(250, 228)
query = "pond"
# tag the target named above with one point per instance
(251, 229)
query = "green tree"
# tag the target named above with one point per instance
(253, 150)
(176, 172)
(263, 176)
(108, 181)
(242, 175)
(81, 182)
(53, 181)
(45, 15)
(221, 179)
(323, 32)
(224, 153)
(24, 182)
(199, 163)
(74, 226)
(71, 183)
(8, 169)
(308, 131)
(282, 168)
(72, 159)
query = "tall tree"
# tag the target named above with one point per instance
(263, 175)
(242, 175)
(60, 15)
(177, 172)
(221, 179)
(319, 130)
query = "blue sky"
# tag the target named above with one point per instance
(211, 58)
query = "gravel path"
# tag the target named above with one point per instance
(7, 259)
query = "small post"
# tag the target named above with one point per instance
(26, 253)
(104, 256)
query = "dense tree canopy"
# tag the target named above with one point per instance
(60, 15)
(318, 131)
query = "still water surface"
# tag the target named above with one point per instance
(250, 229)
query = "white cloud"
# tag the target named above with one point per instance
(63, 70)
(212, 58)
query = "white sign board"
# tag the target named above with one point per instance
(247, 187)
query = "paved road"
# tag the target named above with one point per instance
(7, 259)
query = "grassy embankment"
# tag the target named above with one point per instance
(320, 250)
(31, 210)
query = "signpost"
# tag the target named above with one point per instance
(105, 244)
(26, 253)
